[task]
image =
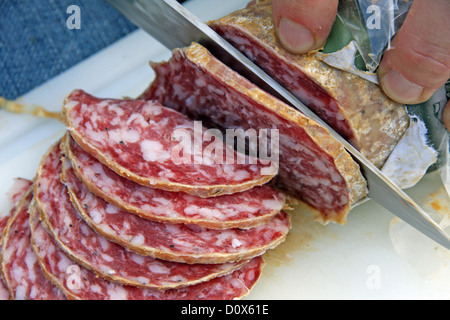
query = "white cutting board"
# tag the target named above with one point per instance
(355, 261)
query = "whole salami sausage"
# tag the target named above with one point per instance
(80, 283)
(313, 167)
(354, 107)
(20, 267)
(247, 209)
(142, 140)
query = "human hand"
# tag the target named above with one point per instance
(418, 62)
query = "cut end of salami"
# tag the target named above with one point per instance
(354, 107)
(159, 147)
(313, 167)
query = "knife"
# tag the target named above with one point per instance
(175, 27)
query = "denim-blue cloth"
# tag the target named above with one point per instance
(36, 43)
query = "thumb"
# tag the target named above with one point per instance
(419, 62)
(303, 25)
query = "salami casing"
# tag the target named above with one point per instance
(79, 283)
(313, 166)
(20, 267)
(354, 107)
(247, 209)
(139, 140)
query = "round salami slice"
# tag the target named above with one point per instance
(15, 193)
(20, 267)
(80, 283)
(242, 210)
(159, 147)
(106, 258)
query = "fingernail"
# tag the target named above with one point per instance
(400, 89)
(295, 37)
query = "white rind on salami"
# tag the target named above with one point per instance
(247, 209)
(20, 268)
(313, 166)
(136, 139)
(79, 283)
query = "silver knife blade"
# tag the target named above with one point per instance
(174, 26)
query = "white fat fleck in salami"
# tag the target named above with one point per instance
(242, 210)
(104, 257)
(313, 166)
(19, 264)
(136, 139)
(80, 283)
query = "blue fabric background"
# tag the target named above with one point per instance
(36, 45)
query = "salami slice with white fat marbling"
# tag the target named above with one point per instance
(173, 242)
(356, 108)
(106, 258)
(313, 166)
(242, 210)
(139, 140)
(19, 187)
(79, 283)
(20, 267)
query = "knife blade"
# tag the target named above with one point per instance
(174, 26)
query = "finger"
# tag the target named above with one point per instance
(446, 116)
(419, 62)
(303, 25)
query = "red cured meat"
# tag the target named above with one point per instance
(108, 259)
(138, 139)
(356, 108)
(15, 193)
(80, 283)
(174, 242)
(245, 209)
(313, 166)
(20, 267)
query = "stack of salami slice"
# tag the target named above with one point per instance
(110, 216)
